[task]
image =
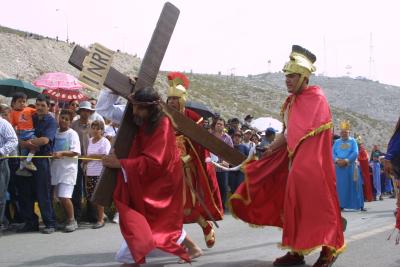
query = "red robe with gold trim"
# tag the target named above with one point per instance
(295, 187)
(364, 168)
(203, 179)
(150, 203)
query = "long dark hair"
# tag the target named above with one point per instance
(149, 99)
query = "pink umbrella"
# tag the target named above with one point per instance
(60, 86)
(65, 95)
(57, 80)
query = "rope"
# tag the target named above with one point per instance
(44, 157)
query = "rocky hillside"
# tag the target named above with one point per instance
(372, 107)
(263, 96)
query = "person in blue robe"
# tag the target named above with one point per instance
(348, 182)
(358, 193)
(376, 176)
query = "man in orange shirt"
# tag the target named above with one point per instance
(21, 120)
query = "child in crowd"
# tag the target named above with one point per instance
(21, 120)
(64, 166)
(99, 146)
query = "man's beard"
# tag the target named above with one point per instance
(138, 120)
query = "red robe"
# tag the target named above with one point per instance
(203, 179)
(150, 204)
(398, 213)
(364, 166)
(295, 187)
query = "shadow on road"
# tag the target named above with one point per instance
(246, 263)
(238, 249)
(107, 260)
(71, 260)
(377, 211)
(208, 253)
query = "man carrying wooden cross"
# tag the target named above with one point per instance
(200, 177)
(121, 85)
(148, 192)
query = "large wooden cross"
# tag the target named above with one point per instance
(121, 85)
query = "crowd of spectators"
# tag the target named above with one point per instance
(59, 151)
(48, 140)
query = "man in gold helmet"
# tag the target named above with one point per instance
(298, 69)
(200, 176)
(293, 185)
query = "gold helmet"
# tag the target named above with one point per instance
(178, 85)
(301, 62)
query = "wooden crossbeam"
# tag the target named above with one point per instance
(121, 85)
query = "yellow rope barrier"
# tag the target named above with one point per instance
(45, 157)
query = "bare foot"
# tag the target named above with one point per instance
(195, 252)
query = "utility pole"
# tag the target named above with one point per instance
(66, 20)
(371, 58)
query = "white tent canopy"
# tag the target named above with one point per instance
(261, 124)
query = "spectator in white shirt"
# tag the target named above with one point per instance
(8, 144)
(107, 107)
(64, 166)
(99, 146)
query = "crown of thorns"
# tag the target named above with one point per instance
(143, 103)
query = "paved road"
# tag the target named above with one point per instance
(237, 244)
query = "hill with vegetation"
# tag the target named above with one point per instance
(372, 107)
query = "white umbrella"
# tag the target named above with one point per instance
(261, 124)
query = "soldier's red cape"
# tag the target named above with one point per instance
(204, 181)
(295, 188)
(150, 204)
(364, 166)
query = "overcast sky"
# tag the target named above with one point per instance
(231, 36)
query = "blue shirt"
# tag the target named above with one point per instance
(393, 149)
(45, 127)
(345, 149)
(242, 148)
